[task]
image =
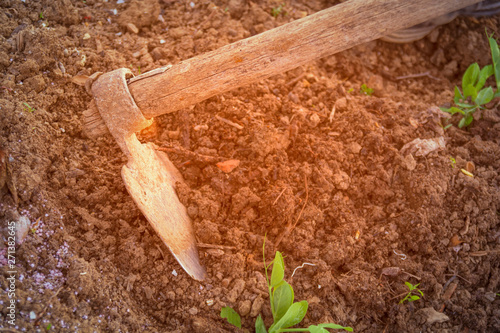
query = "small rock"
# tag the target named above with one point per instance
(341, 104)
(177, 32)
(157, 53)
(132, 28)
(410, 163)
(431, 316)
(215, 252)
(341, 180)
(245, 307)
(354, 147)
(22, 228)
(174, 135)
(376, 82)
(36, 83)
(314, 120)
(148, 292)
(256, 306)
(193, 311)
(238, 287)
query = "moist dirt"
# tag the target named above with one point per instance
(365, 205)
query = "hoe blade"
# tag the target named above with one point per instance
(150, 177)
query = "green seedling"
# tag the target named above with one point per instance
(350, 90)
(366, 90)
(41, 16)
(453, 162)
(28, 107)
(473, 95)
(285, 312)
(410, 297)
(275, 12)
(49, 326)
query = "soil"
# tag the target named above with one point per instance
(372, 210)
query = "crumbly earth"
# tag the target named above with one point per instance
(371, 210)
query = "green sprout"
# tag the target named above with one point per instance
(41, 16)
(410, 297)
(49, 326)
(366, 90)
(473, 96)
(453, 162)
(285, 312)
(275, 12)
(28, 107)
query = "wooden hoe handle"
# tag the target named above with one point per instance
(278, 50)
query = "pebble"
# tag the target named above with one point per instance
(256, 306)
(341, 104)
(431, 316)
(132, 28)
(238, 287)
(22, 228)
(245, 307)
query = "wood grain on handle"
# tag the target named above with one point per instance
(278, 50)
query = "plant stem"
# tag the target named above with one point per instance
(267, 276)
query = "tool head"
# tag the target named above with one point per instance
(149, 175)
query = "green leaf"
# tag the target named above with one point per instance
(232, 316)
(468, 120)
(283, 298)
(456, 110)
(458, 95)
(409, 285)
(495, 56)
(497, 94)
(259, 325)
(461, 123)
(470, 76)
(420, 291)
(414, 298)
(292, 317)
(485, 73)
(484, 96)
(278, 269)
(321, 328)
(471, 91)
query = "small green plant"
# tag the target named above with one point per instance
(453, 162)
(275, 12)
(473, 96)
(366, 90)
(49, 326)
(285, 312)
(28, 108)
(41, 16)
(410, 297)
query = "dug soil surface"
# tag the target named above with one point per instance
(361, 193)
